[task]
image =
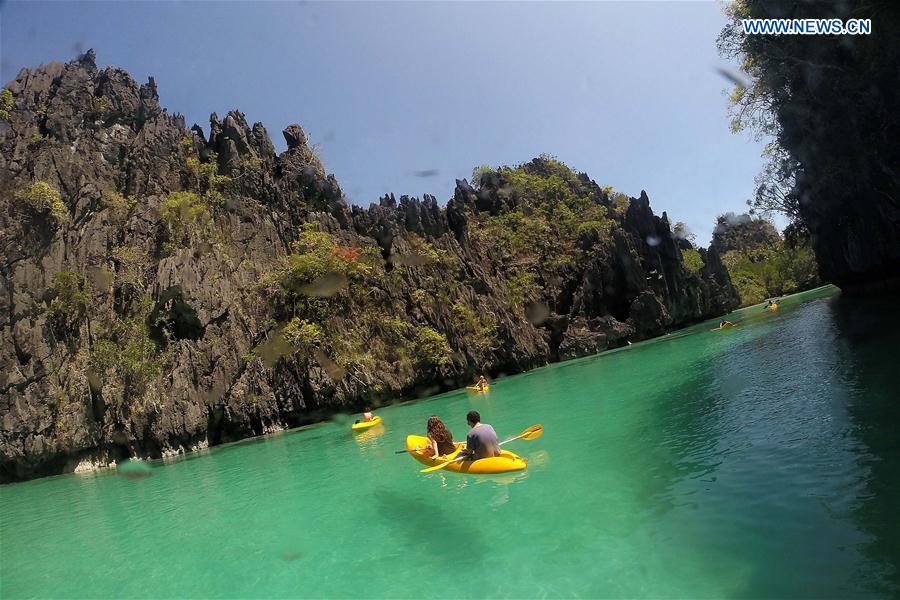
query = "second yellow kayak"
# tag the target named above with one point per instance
(506, 462)
(475, 388)
(366, 424)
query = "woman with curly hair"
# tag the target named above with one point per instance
(440, 440)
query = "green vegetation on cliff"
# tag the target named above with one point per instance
(44, 199)
(188, 214)
(118, 204)
(188, 218)
(317, 254)
(693, 262)
(301, 334)
(549, 207)
(125, 354)
(334, 297)
(432, 347)
(6, 103)
(69, 298)
(476, 327)
(761, 264)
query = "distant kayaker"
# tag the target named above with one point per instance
(724, 324)
(482, 383)
(440, 440)
(481, 442)
(367, 416)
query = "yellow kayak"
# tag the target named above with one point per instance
(366, 424)
(506, 462)
(475, 388)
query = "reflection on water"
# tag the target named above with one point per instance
(367, 436)
(865, 358)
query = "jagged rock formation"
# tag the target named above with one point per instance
(153, 297)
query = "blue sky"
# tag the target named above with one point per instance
(627, 92)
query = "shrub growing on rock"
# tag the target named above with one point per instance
(423, 253)
(317, 256)
(188, 218)
(126, 353)
(519, 288)
(302, 334)
(44, 199)
(475, 325)
(117, 203)
(6, 103)
(203, 176)
(132, 264)
(70, 295)
(431, 347)
(692, 260)
(620, 203)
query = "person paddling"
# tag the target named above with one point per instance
(481, 442)
(367, 416)
(482, 383)
(724, 324)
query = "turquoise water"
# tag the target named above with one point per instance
(757, 462)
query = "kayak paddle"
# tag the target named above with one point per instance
(407, 451)
(532, 433)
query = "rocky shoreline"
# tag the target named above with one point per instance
(163, 290)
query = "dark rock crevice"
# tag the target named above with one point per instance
(173, 318)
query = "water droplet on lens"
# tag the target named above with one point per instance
(334, 371)
(273, 349)
(134, 469)
(291, 556)
(94, 380)
(537, 313)
(327, 285)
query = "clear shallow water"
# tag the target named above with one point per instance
(756, 462)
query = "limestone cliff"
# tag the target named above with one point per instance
(162, 291)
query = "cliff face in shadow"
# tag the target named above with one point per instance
(832, 102)
(162, 291)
